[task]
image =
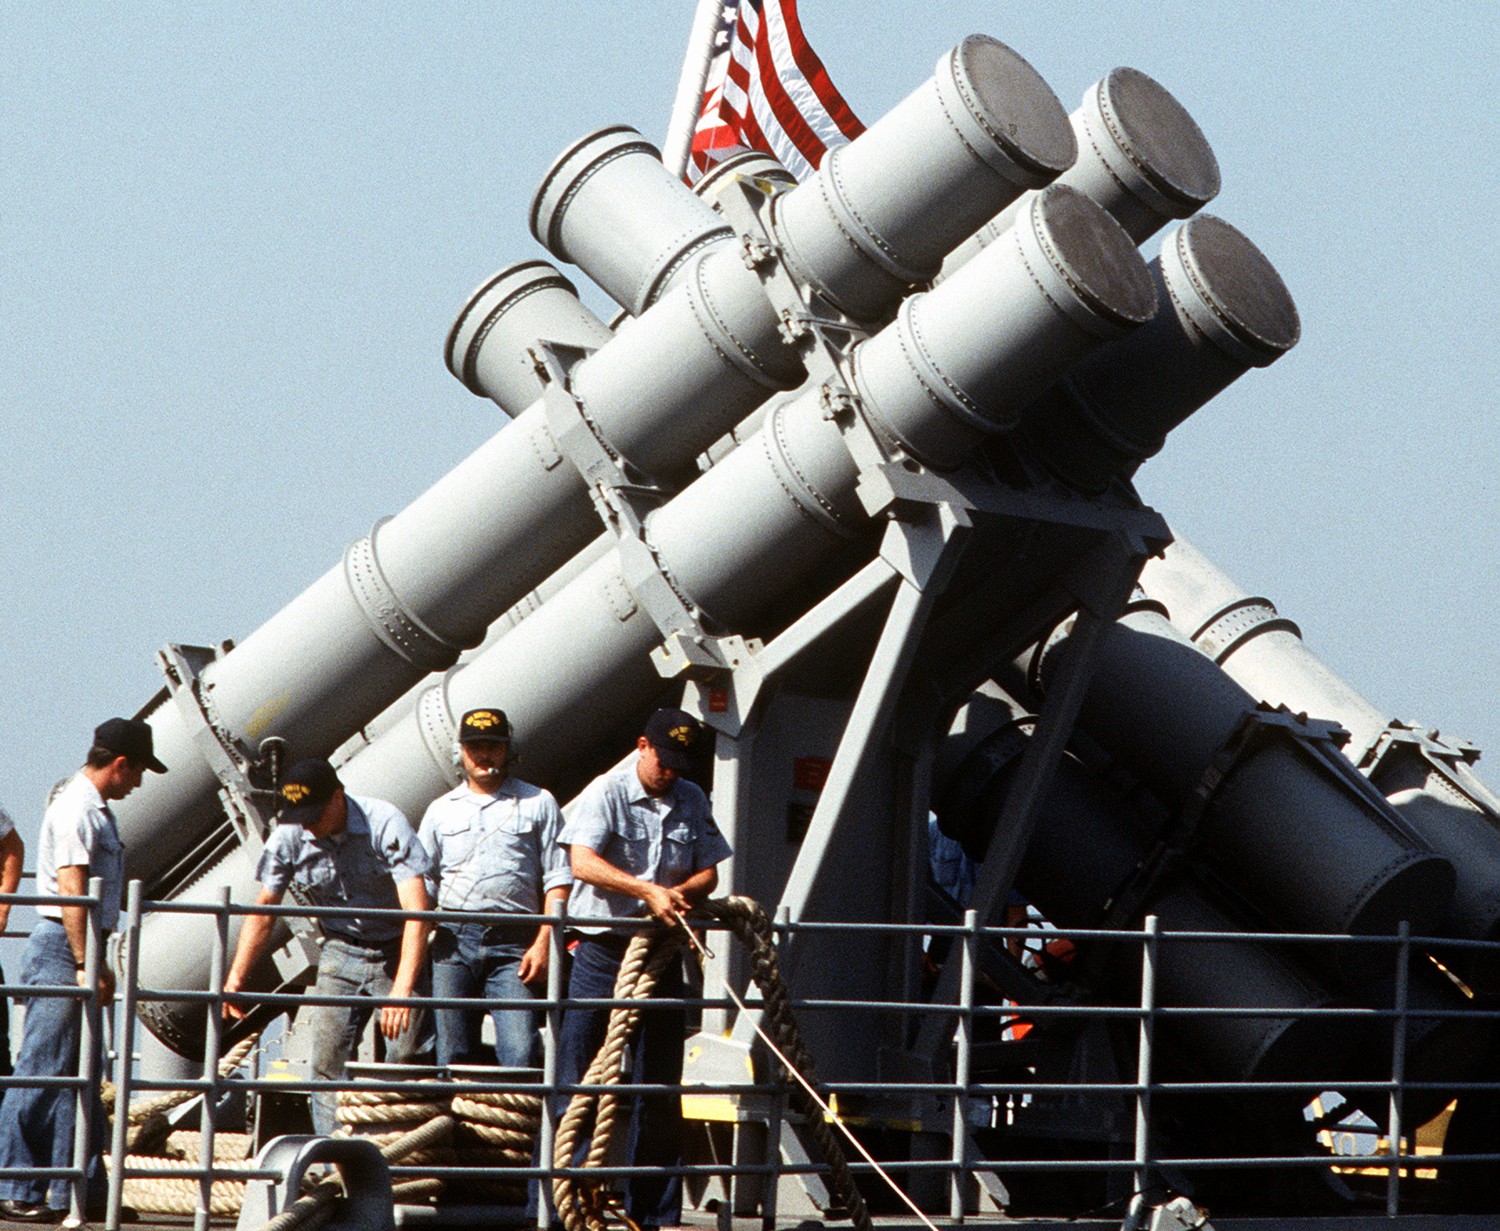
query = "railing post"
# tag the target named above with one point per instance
(130, 957)
(1149, 960)
(89, 1032)
(961, 1065)
(1398, 1069)
(213, 1036)
(557, 955)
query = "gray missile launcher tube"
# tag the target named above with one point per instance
(767, 516)
(1223, 310)
(1264, 653)
(489, 344)
(1297, 840)
(1141, 156)
(634, 240)
(1082, 854)
(425, 584)
(776, 508)
(1089, 864)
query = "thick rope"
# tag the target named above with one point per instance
(168, 1099)
(166, 1193)
(586, 1206)
(752, 926)
(582, 1206)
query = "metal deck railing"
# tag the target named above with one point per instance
(1007, 1098)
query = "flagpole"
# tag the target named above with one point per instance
(700, 53)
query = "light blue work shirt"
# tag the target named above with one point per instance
(78, 830)
(494, 851)
(663, 839)
(360, 867)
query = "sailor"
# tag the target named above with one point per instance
(346, 850)
(641, 841)
(78, 841)
(493, 847)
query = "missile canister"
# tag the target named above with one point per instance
(777, 507)
(424, 585)
(1294, 837)
(1140, 155)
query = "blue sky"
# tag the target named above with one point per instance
(233, 238)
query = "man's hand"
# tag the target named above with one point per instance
(235, 1012)
(255, 940)
(533, 965)
(412, 894)
(106, 983)
(395, 1018)
(668, 905)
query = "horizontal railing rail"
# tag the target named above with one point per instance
(964, 1091)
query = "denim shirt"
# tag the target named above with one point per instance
(494, 851)
(662, 840)
(78, 830)
(360, 867)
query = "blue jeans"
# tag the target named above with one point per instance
(36, 1126)
(475, 960)
(349, 969)
(654, 1136)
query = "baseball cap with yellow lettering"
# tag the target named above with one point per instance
(674, 734)
(305, 789)
(485, 724)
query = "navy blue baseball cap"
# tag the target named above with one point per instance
(305, 790)
(674, 734)
(485, 724)
(129, 737)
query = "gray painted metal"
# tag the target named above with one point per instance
(1140, 155)
(1223, 310)
(841, 805)
(946, 354)
(774, 511)
(1021, 811)
(747, 164)
(1085, 854)
(1298, 839)
(1099, 858)
(426, 583)
(609, 206)
(1430, 785)
(858, 234)
(488, 346)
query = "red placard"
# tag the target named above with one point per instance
(810, 773)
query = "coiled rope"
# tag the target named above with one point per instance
(149, 1117)
(147, 1150)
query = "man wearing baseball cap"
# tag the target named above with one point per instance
(345, 850)
(493, 845)
(78, 841)
(641, 841)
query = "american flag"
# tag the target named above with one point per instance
(767, 90)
